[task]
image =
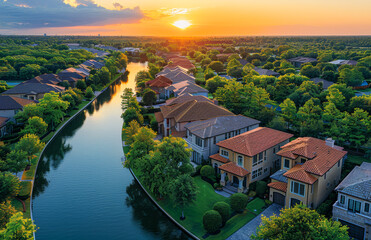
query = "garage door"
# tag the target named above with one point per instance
(354, 231)
(279, 198)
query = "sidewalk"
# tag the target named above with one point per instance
(249, 229)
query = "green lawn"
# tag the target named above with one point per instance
(358, 160)
(205, 200)
(25, 188)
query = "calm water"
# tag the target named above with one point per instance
(13, 82)
(81, 189)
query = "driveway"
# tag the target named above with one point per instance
(249, 229)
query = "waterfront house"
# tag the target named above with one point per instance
(158, 85)
(352, 207)
(32, 91)
(202, 136)
(10, 105)
(310, 170)
(298, 61)
(184, 87)
(172, 118)
(249, 156)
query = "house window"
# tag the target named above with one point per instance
(367, 207)
(224, 153)
(198, 141)
(354, 206)
(214, 140)
(225, 135)
(286, 164)
(297, 188)
(342, 199)
(265, 156)
(274, 150)
(339, 163)
(265, 170)
(257, 173)
(325, 177)
(255, 160)
(240, 161)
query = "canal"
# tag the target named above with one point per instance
(82, 190)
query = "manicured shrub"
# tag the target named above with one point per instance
(208, 172)
(89, 93)
(252, 186)
(212, 221)
(198, 170)
(239, 202)
(261, 187)
(224, 210)
(154, 125)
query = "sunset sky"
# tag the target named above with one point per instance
(207, 17)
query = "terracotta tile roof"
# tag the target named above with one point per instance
(298, 173)
(176, 133)
(160, 82)
(231, 167)
(219, 158)
(321, 157)
(193, 111)
(254, 141)
(159, 117)
(187, 97)
(281, 186)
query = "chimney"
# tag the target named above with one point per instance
(330, 142)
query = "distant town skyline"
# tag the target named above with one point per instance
(185, 18)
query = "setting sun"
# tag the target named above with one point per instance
(182, 24)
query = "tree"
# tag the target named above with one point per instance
(184, 191)
(149, 97)
(130, 131)
(310, 118)
(357, 127)
(104, 75)
(35, 125)
(31, 144)
(89, 93)
(6, 211)
(300, 222)
(234, 68)
(334, 96)
(278, 123)
(18, 228)
(29, 71)
(30, 110)
(209, 73)
(9, 186)
(131, 114)
(68, 98)
(53, 108)
(212, 221)
(238, 202)
(351, 77)
(214, 83)
(217, 66)
(81, 84)
(289, 112)
(224, 210)
(16, 161)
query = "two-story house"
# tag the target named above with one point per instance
(311, 168)
(9, 105)
(158, 85)
(352, 207)
(173, 118)
(249, 156)
(202, 136)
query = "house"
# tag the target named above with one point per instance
(352, 207)
(325, 84)
(158, 85)
(188, 97)
(249, 156)
(298, 61)
(172, 118)
(310, 170)
(92, 63)
(167, 70)
(45, 78)
(81, 70)
(32, 91)
(202, 136)
(182, 62)
(4, 127)
(177, 75)
(184, 87)
(266, 72)
(9, 105)
(344, 62)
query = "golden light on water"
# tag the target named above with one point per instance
(182, 24)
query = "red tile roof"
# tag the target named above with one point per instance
(3, 121)
(254, 141)
(321, 157)
(219, 158)
(281, 186)
(159, 82)
(159, 117)
(176, 133)
(298, 173)
(231, 167)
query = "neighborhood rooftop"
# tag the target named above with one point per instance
(11, 103)
(255, 141)
(219, 125)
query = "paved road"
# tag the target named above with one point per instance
(246, 231)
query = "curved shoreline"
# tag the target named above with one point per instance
(160, 208)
